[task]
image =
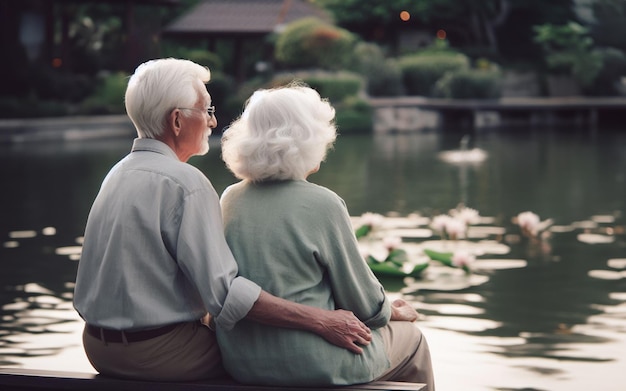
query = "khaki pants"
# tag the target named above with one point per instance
(408, 354)
(189, 352)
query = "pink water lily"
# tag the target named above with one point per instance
(529, 223)
(467, 215)
(456, 228)
(439, 223)
(374, 220)
(462, 259)
(392, 242)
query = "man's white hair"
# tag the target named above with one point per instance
(159, 86)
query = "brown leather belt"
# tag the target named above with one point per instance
(110, 335)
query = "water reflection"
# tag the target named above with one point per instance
(545, 315)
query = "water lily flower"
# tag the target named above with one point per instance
(369, 222)
(439, 223)
(462, 259)
(392, 242)
(456, 228)
(468, 215)
(373, 220)
(529, 223)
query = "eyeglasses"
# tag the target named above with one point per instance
(209, 110)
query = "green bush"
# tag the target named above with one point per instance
(470, 84)
(199, 56)
(227, 104)
(342, 89)
(54, 84)
(336, 87)
(313, 43)
(383, 76)
(108, 97)
(206, 58)
(353, 115)
(422, 71)
(607, 80)
(30, 107)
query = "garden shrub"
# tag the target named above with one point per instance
(54, 84)
(313, 43)
(342, 89)
(607, 80)
(470, 84)
(228, 105)
(353, 115)
(383, 76)
(422, 71)
(205, 58)
(336, 87)
(30, 107)
(200, 56)
(108, 97)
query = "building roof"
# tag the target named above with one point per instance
(145, 2)
(213, 17)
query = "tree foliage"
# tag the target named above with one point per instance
(498, 27)
(609, 28)
(569, 51)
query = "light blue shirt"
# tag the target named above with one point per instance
(154, 251)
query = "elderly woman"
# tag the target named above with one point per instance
(295, 240)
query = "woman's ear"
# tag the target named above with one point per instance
(314, 170)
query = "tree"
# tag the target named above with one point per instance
(569, 51)
(609, 28)
(495, 27)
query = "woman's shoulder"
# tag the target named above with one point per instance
(287, 193)
(320, 198)
(319, 191)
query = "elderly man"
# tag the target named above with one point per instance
(154, 258)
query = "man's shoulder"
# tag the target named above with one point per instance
(165, 169)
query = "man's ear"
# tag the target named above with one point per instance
(175, 121)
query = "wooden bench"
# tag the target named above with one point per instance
(19, 379)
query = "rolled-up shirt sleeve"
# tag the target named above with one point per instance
(242, 295)
(206, 259)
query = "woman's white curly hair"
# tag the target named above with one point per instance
(284, 133)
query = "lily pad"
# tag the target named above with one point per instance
(499, 264)
(617, 263)
(561, 228)
(390, 269)
(477, 232)
(606, 274)
(603, 219)
(595, 238)
(444, 279)
(414, 233)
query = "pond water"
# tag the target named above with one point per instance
(534, 314)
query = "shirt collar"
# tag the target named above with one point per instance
(152, 145)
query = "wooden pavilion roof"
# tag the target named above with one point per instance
(147, 2)
(242, 17)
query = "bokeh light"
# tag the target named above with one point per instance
(405, 16)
